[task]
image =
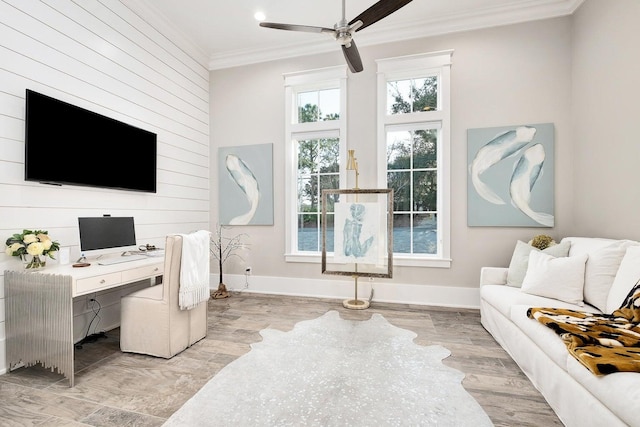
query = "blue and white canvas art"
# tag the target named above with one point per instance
(245, 185)
(356, 236)
(511, 176)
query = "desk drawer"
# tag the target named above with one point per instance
(142, 272)
(96, 283)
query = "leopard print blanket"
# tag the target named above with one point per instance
(603, 343)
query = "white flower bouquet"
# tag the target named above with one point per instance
(35, 243)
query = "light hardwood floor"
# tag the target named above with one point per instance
(121, 389)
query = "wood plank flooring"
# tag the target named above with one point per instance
(122, 389)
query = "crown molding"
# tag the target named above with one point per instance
(514, 13)
(531, 10)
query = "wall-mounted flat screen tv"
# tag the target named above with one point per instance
(66, 144)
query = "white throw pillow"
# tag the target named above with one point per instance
(601, 270)
(559, 278)
(520, 259)
(626, 278)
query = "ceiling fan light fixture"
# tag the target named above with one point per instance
(259, 16)
(344, 38)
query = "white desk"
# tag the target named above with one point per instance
(39, 308)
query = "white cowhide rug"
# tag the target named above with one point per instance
(334, 372)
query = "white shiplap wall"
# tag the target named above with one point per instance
(100, 55)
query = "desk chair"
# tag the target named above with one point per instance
(151, 321)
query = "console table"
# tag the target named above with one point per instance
(39, 308)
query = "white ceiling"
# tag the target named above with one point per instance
(225, 33)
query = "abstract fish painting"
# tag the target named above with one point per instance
(245, 183)
(504, 145)
(511, 176)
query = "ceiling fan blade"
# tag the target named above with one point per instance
(379, 10)
(352, 56)
(292, 27)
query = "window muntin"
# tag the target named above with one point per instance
(412, 173)
(318, 169)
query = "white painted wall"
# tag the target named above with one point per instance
(102, 57)
(579, 73)
(508, 75)
(606, 114)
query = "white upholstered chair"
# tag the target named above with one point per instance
(151, 321)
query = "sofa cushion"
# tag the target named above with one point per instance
(502, 298)
(601, 270)
(559, 278)
(493, 276)
(620, 392)
(520, 259)
(586, 245)
(626, 278)
(545, 338)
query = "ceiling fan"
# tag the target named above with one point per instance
(343, 31)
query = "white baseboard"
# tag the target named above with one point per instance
(391, 292)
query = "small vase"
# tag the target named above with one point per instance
(32, 262)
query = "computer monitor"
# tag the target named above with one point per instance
(106, 234)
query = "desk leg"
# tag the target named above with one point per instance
(39, 321)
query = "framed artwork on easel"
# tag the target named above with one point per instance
(358, 225)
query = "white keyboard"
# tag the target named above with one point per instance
(119, 259)
(156, 253)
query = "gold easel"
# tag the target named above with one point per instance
(355, 303)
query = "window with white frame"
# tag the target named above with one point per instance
(413, 154)
(315, 107)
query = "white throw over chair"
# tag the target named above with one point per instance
(152, 321)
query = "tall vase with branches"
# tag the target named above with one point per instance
(223, 248)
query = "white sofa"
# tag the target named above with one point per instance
(578, 397)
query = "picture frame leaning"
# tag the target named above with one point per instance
(358, 225)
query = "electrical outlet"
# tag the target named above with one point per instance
(247, 271)
(90, 303)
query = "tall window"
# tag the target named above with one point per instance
(316, 110)
(318, 169)
(413, 153)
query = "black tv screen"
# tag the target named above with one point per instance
(66, 144)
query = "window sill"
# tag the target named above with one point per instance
(402, 261)
(311, 258)
(409, 261)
